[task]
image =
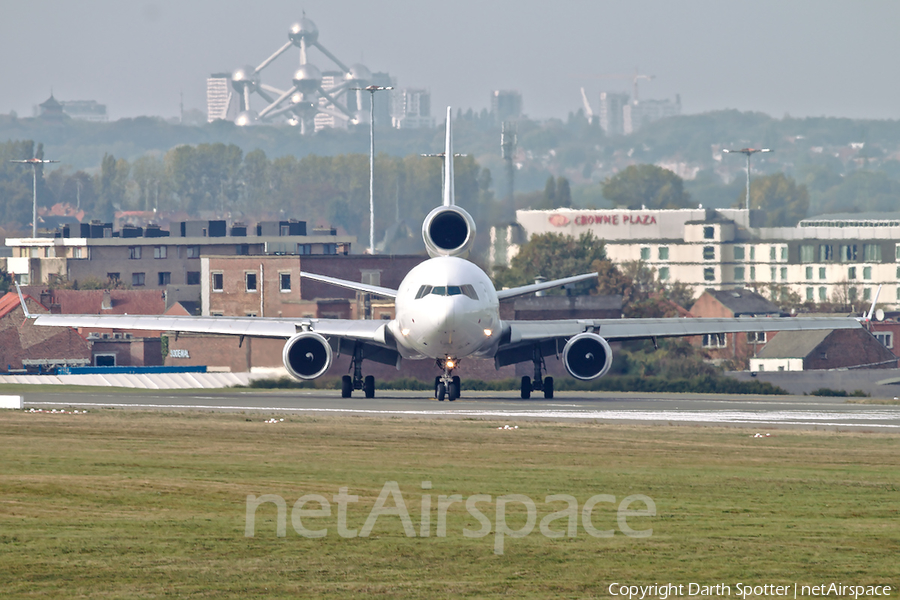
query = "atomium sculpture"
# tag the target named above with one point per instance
(306, 97)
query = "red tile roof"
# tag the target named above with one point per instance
(90, 302)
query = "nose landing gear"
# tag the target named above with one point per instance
(447, 385)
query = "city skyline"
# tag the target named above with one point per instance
(138, 58)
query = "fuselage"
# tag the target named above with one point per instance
(446, 307)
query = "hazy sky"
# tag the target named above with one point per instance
(811, 58)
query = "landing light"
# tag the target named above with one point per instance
(450, 364)
(405, 332)
(488, 332)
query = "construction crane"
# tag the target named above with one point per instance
(588, 112)
(635, 78)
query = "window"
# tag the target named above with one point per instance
(826, 253)
(784, 253)
(774, 273)
(663, 273)
(752, 273)
(872, 252)
(752, 252)
(250, 313)
(113, 277)
(897, 251)
(772, 253)
(709, 274)
(885, 338)
(867, 293)
(304, 248)
(809, 293)
(250, 281)
(853, 293)
(663, 253)
(738, 253)
(193, 251)
(739, 273)
(714, 340)
(823, 295)
(77, 253)
(105, 360)
(160, 251)
(821, 272)
(284, 281)
(193, 277)
(809, 272)
(426, 289)
(851, 273)
(137, 279)
(469, 291)
(165, 278)
(329, 248)
(709, 252)
(807, 253)
(867, 272)
(783, 273)
(370, 277)
(134, 252)
(285, 230)
(645, 253)
(242, 249)
(756, 337)
(218, 282)
(848, 252)
(709, 233)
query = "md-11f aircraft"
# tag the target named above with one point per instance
(447, 310)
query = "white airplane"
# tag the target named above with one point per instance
(447, 310)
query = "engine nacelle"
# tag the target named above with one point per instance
(448, 231)
(587, 356)
(307, 355)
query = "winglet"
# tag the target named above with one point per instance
(28, 315)
(449, 197)
(872, 308)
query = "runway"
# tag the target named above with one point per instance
(804, 412)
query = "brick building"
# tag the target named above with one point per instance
(822, 350)
(736, 347)
(23, 345)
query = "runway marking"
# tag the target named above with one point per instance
(825, 419)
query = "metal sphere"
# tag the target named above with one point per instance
(304, 29)
(358, 74)
(244, 77)
(245, 118)
(307, 78)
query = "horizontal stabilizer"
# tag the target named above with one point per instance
(545, 285)
(352, 285)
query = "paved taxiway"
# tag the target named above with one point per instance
(741, 411)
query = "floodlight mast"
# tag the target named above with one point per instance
(748, 152)
(372, 89)
(34, 162)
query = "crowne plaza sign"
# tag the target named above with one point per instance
(560, 220)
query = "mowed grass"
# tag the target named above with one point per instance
(144, 504)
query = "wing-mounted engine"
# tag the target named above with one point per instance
(587, 356)
(448, 231)
(307, 355)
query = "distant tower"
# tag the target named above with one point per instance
(506, 105)
(411, 108)
(612, 112)
(508, 152)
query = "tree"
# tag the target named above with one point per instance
(553, 256)
(646, 186)
(563, 193)
(550, 193)
(780, 198)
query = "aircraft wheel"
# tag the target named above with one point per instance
(437, 382)
(526, 388)
(369, 386)
(441, 392)
(458, 383)
(453, 391)
(548, 388)
(346, 386)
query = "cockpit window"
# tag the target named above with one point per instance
(449, 290)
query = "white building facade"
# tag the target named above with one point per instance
(824, 259)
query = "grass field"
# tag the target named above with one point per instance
(142, 504)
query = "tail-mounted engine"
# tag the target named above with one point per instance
(448, 231)
(307, 355)
(587, 356)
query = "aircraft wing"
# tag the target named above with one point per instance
(545, 285)
(352, 285)
(625, 329)
(249, 326)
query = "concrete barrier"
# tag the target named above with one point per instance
(11, 402)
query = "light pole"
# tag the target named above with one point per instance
(748, 152)
(34, 162)
(372, 89)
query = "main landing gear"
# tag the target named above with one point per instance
(447, 385)
(357, 382)
(540, 383)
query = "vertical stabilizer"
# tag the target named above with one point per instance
(449, 197)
